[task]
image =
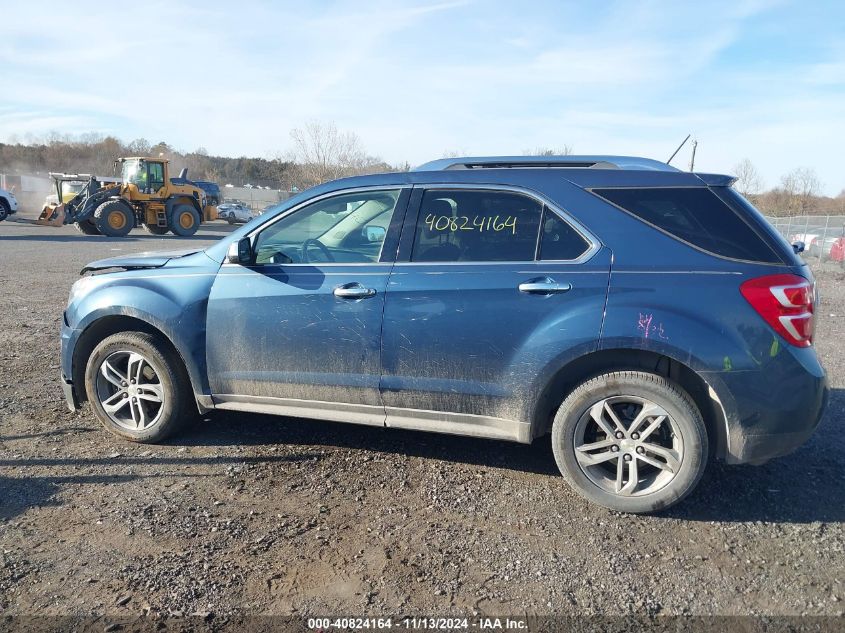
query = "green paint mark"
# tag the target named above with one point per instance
(727, 363)
(775, 348)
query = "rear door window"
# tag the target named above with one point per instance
(559, 241)
(697, 216)
(476, 226)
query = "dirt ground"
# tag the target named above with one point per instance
(249, 514)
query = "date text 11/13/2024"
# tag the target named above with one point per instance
(418, 623)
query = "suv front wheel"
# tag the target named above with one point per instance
(630, 441)
(137, 387)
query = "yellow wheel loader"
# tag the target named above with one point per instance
(68, 186)
(145, 196)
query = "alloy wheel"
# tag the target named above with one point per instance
(628, 445)
(130, 391)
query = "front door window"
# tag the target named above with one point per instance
(348, 228)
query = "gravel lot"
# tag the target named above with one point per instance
(250, 514)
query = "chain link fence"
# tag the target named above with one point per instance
(823, 236)
(256, 199)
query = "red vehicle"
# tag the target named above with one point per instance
(837, 251)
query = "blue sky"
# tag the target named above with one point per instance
(749, 79)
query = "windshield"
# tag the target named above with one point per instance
(134, 172)
(72, 187)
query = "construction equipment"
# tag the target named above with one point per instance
(68, 186)
(145, 195)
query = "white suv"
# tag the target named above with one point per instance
(235, 212)
(8, 204)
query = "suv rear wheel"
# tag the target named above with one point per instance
(137, 387)
(630, 441)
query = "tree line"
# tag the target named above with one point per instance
(797, 193)
(321, 152)
(93, 154)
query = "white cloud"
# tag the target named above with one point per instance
(416, 78)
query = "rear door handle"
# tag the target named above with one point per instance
(544, 286)
(353, 291)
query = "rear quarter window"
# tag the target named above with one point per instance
(696, 216)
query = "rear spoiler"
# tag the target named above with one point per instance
(716, 180)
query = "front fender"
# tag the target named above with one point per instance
(175, 305)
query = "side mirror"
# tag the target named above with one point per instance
(240, 252)
(374, 233)
(798, 247)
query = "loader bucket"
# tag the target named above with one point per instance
(52, 216)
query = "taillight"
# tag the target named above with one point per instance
(786, 303)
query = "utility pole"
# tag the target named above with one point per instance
(692, 158)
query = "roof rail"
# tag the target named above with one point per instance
(549, 162)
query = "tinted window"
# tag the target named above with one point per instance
(559, 240)
(777, 241)
(476, 226)
(695, 215)
(348, 228)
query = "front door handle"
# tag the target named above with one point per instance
(544, 286)
(353, 291)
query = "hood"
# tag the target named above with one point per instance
(136, 261)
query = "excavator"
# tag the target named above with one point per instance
(145, 195)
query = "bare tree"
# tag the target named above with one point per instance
(748, 181)
(322, 153)
(788, 192)
(139, 147)
(161, 149)
(563, 150)
(801, 186)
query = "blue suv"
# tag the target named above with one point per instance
(647, 319)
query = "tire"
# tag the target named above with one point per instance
(4, 210)
(155, 229)
(114, 218)
(230, 220)
(162, 374)
(184, 220)
(679, 442)
(87, 227)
